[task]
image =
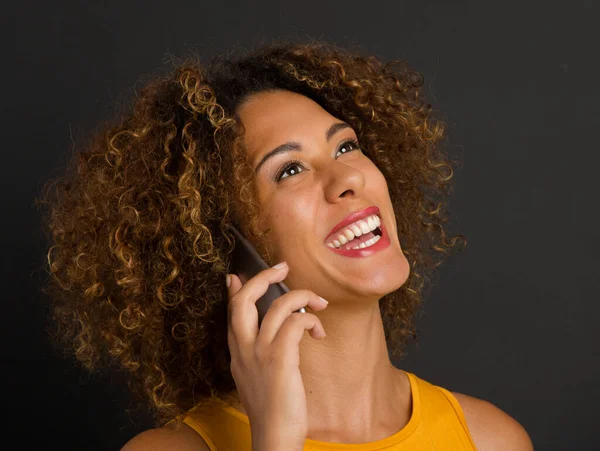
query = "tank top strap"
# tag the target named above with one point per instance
(443, 414)
(220, 425)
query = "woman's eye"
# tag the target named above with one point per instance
(288, 167)
(351, 144)
(292, 167)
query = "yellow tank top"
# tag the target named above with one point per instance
(437, 422)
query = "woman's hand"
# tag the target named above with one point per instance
(265, 363)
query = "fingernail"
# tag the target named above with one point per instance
(326, 302)
(228, 280)
(280, 265)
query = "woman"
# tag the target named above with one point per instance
(312, 151)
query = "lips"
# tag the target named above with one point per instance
(382, 244)
(353, 217)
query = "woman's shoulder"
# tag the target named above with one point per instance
(180, 437)
(491, 428)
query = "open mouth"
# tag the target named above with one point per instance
(359, 235)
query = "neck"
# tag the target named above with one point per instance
(352, 388)
(353, 392)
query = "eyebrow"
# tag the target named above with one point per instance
(295, 146)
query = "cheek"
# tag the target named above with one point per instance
(292, 218)
(291, 212)
(375, 179)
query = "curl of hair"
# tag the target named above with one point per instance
(138, 223)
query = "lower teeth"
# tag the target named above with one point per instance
(368, 242)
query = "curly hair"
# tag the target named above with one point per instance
(138, 222)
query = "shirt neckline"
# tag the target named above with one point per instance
(397, 437)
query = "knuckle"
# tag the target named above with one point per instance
(295, 319)
(292, 297)
(299, 320)
(264, 356)
(307, 293)
(260, 352)
(266, 274)
(277, 303)
(303, 318)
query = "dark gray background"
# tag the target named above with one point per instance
(513, 317)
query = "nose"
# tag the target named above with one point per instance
(343, 181)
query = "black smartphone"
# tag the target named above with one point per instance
(246, 263)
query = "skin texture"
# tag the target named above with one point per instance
(139, 242)
(354, 394)
(348, 376)
(139, 245)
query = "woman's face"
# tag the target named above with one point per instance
(304, 202)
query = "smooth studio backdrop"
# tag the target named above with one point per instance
(513, 318)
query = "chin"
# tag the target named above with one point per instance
(390, 277)
(374, 283)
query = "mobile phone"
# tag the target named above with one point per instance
(246, 263)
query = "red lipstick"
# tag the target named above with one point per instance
(381, 244)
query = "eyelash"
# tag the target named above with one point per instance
(292, 163)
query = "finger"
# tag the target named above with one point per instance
(234, 287)
(235, 284)
(242, 303)
(282, 308)
(242, 315)
(292, 331)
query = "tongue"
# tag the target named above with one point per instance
(356, 241)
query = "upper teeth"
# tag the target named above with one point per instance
(353, 230)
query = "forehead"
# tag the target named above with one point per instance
(274, 117)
